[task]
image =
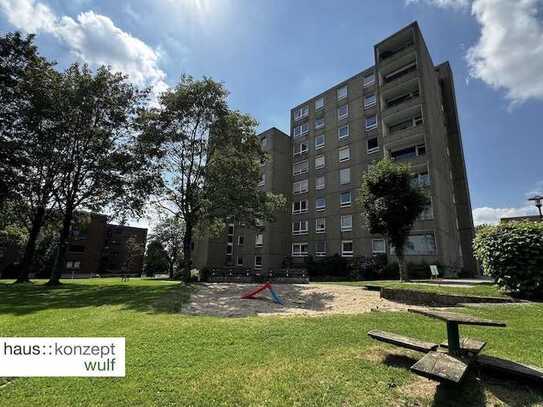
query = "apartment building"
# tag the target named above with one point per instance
(403, 107)
(263, 248)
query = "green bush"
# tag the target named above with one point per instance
(512, 254)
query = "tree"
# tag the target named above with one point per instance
(170, 232)
(390, 204)
(134, 254)
(102, 162)
(156, 259)
(210, 160)
(28, 136)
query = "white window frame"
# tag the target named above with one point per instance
(300, 130)
(302, 150)
(346, 204)
(320, 208)
(340, 94)
(318, 186)
(320, 161)
(319, 229)
(319, 123)
(372, 126)
(301, 210)
(259, 240)
(343, 179)
(300, 187)
(262, 181)
(371, 103)
(264, 142)
(301, 112)
(347, 253)
(319, 103)
(303, 170)
(300, 231)
(238, 261)
(241, 240)
(341, 116)
(319, 146)
(339, 136)
(341, 150)
(320, 253)
(346, 228)
(370, 82)
(373, 149)
(374, 250)
(259, 266)
(300, 252)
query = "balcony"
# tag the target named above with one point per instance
(405, 104)
(398, 77)
(389, 56)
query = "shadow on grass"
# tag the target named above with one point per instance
(477, 389)
(27, 299)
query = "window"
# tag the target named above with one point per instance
(230, 239)
(259, 240)
(300, 227)
(373, 145)
(369, 79)
(264, 142)
(345, 199)
(300, 187)
(230, 229)
(319, 141)
(241, 240)
(427, 213)
(320, 183)
(423, 244)
(301, 113)
(320, 204)
(319, 123)
(409, 152)
(258, 262)
(229, 248)
(347, 248)
(320, 162)
(300, 168)
(406, 124)
(346, 223)
(300, 130)
(77, 264)
(343, 132)
(421, 179)
(300, 148)
(240, 261)
(320, 225)
(344, 153)
(320, 248)
(378, 246)
(398, 73)
(344, 176)
(369, 101)
(299, 249)
(343, 112)
(299, 206)
(262, 180)
(371, 122)
(342, 92)
(319, 103)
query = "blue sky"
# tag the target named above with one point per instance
(272, 55)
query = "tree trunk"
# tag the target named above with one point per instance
(30, 248)
(170, 268)
(403, 269)
(187, 253)
(60, 260)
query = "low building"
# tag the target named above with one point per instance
(529, 218)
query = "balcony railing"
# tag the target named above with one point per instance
(398, 100)
(390, 53)
(405, 70)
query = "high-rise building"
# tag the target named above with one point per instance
(403, 107)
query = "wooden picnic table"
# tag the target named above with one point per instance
(453, 320)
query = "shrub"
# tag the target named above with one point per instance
(512, 254)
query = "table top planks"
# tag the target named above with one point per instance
(457, 318)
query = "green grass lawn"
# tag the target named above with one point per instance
(173, 359)
(480, 290)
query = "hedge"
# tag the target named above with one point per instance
(512, 253)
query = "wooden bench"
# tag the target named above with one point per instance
(468, 345)
(441, 366)
(434, 272)
(509, 367)
(403, 341)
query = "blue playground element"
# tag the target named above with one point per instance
(276, 297)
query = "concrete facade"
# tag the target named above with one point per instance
(403, 107)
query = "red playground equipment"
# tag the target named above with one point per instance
(251, 294)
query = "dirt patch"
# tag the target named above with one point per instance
(299, 299)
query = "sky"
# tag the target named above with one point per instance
(273, 55)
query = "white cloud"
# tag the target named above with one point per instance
(92, 38)
(443, 3)
(492, 216)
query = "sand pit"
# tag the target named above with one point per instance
(300, 299)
